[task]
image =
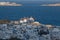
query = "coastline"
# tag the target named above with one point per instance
(9, 4)
(57, 4)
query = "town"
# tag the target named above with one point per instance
(28, 29)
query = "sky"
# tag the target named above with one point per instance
(29, 0)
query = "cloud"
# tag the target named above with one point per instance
(57, 4)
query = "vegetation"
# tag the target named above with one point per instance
(4, 21)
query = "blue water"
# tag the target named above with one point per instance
(45, 15)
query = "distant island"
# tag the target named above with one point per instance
(57, 4)
(9, 4)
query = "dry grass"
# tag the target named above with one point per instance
(4, 21)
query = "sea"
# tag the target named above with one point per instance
(43, 14)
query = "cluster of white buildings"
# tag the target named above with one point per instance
(28, 29)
